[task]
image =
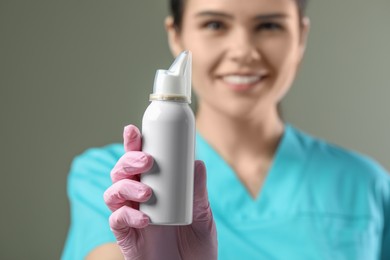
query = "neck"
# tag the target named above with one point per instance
(241, 139)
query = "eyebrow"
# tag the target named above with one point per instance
(270, 16)
(228, 16)
(214, 13)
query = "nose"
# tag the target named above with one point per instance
(243, 48)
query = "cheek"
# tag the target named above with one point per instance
(282, 57)
(204, 49)
(280, 53)
(202, 81)
(204, 60)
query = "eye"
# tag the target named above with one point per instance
(214, 25)
(269, 26)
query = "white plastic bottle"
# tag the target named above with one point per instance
(168, 135)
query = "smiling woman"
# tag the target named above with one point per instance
(273, 191)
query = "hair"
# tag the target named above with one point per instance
(176, 8)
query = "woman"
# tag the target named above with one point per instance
(275, 192)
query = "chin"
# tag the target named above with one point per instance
(239, 112)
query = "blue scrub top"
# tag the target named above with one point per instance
(318, 201)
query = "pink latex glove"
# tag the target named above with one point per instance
(135, 237)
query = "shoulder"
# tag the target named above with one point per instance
(331, 156)
(88, 178)
(93, 166)
(343, 181)
(98, 157)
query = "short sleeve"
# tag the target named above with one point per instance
(384, 195)
(89, 177)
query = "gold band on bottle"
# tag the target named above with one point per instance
(168, 98)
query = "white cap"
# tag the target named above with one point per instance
(175, 83)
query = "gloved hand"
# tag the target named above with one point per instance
(135, 237)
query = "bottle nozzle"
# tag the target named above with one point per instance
(174, 83)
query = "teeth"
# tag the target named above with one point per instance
(238, 79)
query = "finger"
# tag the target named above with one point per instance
(118, 194)
(130, 164)
(131, 138)
(124, 218)
(202, 211)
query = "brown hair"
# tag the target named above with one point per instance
(176, 8)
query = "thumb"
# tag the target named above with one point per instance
(131, 138)
(202, 211)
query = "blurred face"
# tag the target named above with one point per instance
(245, 53)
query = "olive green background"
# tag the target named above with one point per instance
(73, 73)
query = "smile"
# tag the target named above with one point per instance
(241, 82)
(239, 79)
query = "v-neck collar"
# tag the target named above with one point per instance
(280, 179)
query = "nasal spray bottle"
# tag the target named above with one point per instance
(168, 132)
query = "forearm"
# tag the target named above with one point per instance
(107, 251)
